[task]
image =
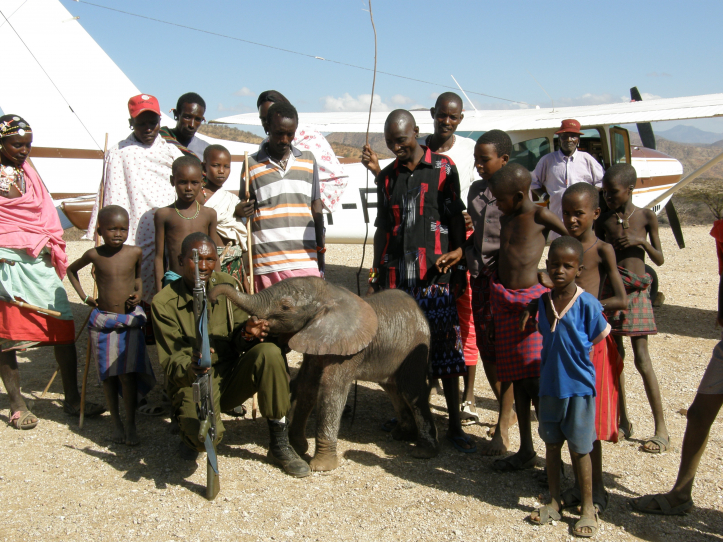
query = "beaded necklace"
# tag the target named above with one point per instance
(11, 176)
(198, 210)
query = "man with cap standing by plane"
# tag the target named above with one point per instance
(556, 171)
(137, 173)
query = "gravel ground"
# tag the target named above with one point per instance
(62, 483)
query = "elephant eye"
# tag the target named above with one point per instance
(286, 307)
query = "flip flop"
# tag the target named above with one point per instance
(662, 443)
(626, 433)
(586, 522)
(570, 498)
(151, 410)
(601, 506)
(505, 465)
(457, 442)
(546, 515)
(18, 418)
(237, 412)
(389, 425)
(91, 409)
(468, 415)
(664, 508)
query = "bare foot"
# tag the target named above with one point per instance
(494, 447)
(492, 430)
(131, 436)
(119, 434)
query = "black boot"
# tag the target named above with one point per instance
(281, 452)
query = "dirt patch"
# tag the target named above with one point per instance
(62, 483)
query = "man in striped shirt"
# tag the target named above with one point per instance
(287, 225)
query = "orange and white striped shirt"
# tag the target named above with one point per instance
(284, 237)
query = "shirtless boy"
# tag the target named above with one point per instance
(627, 228)
(481, 251)
(580, 209)
(183, 217)
(523, 234)
(116, 321)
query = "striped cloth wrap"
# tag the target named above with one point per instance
(118, 346)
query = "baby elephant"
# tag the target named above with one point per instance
(383, 338)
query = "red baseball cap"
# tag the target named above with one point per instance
(143, 102)
(569, 126)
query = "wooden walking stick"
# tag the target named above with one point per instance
(80, 332)
(249, 243)
(101, 201)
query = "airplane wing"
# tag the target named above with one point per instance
(688, 107)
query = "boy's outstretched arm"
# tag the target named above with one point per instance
(551, 221)
(73, 269)
(653, 248)
(158, 267)
(619, 300)
(135, 297)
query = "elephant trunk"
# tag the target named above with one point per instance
(255, 305)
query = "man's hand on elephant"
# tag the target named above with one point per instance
(194, 367)
(445, 261)
(259, 329)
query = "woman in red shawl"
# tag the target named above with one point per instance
(32, 266)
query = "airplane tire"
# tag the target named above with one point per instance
(654, 286)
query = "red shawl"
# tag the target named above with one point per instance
(31, 222)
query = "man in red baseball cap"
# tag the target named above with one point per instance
(145, 117)
(564, 167)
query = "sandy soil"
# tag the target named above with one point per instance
(61, 483)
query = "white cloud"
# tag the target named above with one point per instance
(243, 91)
(347, 102)
(434, 96)
(238, 108)
(399, 99)
(648, 96)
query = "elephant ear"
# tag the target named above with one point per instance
(345, 325)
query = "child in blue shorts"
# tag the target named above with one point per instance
(571, 321)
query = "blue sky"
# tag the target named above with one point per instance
(581, 53)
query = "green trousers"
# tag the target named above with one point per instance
(261, 370)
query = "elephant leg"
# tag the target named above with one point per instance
(414, 388)
(334, 387)
(304, 392)
(406, 428)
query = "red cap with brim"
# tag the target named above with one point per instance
(143, 102)
(569, 126)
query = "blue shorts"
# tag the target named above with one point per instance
(571, 419)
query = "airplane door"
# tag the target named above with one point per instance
(620, 145)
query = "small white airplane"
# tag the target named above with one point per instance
(74, 95)
(533, 135)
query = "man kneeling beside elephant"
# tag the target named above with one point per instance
(242, 363)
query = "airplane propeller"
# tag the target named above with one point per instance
(647, 136)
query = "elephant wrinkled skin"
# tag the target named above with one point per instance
(383, 338)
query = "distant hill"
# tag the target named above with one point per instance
(689, 134)
(222, 131)
(357, 141)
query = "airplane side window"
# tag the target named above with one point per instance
(618, 148)
(528, 153)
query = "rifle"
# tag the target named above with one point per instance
(203, 386)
